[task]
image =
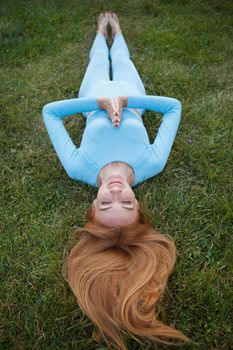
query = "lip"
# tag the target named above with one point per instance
(115, 181)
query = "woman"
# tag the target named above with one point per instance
(119, 268)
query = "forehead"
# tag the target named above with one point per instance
(116, 216)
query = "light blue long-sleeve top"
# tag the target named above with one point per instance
(102, 143)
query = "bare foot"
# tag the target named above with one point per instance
(114, 23)
(102, 24)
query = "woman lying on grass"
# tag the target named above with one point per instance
(119, 268)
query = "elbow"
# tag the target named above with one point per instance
(179, 110)
(174, 106)
(71, 172)
(160, 167)
(177, 105)
(49, 111)
(176, 109)
(45, 109)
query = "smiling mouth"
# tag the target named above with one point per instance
(115, 181)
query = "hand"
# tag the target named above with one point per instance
(113, 107)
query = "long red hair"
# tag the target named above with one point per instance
(118, 276)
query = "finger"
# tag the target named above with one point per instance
(116, 112)
(116, 122)
(120, 112)
(111, 112)
(115, 106)
(113, 103)
(117, 118)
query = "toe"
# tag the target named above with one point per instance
(100, 17)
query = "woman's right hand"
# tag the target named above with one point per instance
(114, 107)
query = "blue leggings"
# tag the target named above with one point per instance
(123, 68)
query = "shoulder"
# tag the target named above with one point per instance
(84, 170)
(148, 165)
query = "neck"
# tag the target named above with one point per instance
(116, 170)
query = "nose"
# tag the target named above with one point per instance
(115, 189)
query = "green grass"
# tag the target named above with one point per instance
(182, 49)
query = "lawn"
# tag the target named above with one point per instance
(182, 49)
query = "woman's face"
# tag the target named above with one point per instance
(115, 204)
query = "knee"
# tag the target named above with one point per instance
(98, 53)
(120, 56)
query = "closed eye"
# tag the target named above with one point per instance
(105, 202)
(126, 202)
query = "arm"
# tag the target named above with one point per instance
(53, 113)
(171, 110)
